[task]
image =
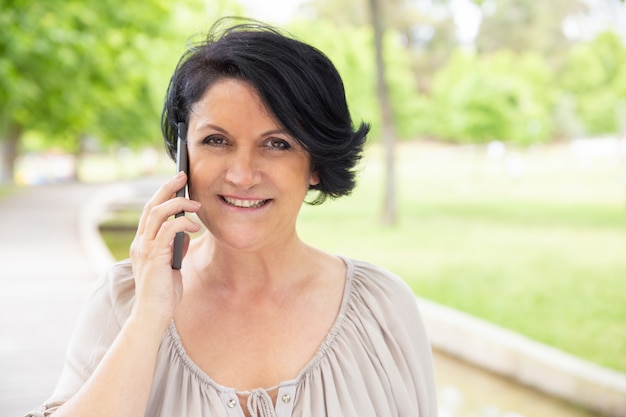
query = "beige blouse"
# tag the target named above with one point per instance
(375, 362)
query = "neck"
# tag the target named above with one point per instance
(249, 270)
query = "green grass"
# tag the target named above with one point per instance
(118, 231)
(543, 255)
(6, 191)
(118, 241)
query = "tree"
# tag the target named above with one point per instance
(351, 49)
(428, 37)
(594, 76)
(390, 209)
(354, 14)
(71, 67)
(526, 25)
(81, 68)
(505, 97)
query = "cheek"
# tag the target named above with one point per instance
(198, 177)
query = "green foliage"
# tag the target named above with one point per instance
(525, 85)
(595, 76)
(70, 66)
(92, 68)
(351, 50)
(99, 69)
(409, 106)
(503, 96)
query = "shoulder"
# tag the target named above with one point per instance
(103, 314)
(120, 286)
(380, 286)
(380, 299)
(111, 298)
(382, 321)
(114, 293)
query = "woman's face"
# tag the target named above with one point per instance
(249, 174)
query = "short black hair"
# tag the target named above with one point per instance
(297, 83)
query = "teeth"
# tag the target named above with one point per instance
(244, 203)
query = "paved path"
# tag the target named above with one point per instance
(50, 258)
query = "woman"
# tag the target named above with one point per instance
(256, 322)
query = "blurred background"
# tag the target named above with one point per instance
(494, 181)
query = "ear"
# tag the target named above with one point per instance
(314, 179)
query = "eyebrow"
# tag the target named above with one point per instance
(205, 125)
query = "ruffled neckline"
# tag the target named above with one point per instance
(321, 353)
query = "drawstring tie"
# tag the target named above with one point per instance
(260, 404)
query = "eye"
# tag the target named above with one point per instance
(215, 140)
(278, 144)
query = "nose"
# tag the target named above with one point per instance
(242, 170)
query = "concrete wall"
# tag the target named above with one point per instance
(524, 360)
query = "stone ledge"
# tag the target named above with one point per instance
(522, 359)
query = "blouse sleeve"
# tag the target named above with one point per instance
(102, 316)
(397, 313)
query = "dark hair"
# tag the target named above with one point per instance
(297, 83)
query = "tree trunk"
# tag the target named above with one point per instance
(10, 152)
(79, 155)
(389, 214)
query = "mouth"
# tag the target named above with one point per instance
(235, 202)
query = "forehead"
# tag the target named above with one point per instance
(234, 107)
(228, 94)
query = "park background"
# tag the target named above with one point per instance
(508, 130)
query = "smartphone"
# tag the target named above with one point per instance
(182, 164)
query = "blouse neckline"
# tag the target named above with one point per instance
(322, 350)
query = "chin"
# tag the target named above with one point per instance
(239, 239)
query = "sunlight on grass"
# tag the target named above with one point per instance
(542, 254)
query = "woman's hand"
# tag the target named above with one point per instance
(159, 287)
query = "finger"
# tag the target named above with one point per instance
(160, 214)
(159, 249)
(164, 193)
(167, 232)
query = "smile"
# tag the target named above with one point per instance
(244, 203)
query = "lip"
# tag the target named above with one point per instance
(244, 203)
